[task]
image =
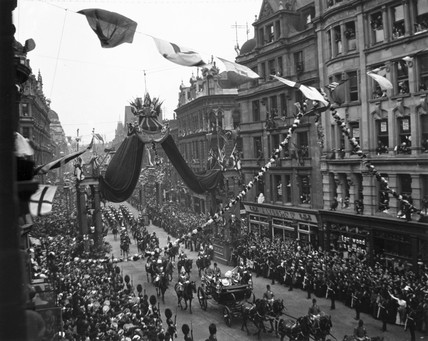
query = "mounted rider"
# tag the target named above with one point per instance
(360, 332)
(314, 313)
(183, 279)
(268, 295)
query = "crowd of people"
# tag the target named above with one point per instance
(394, 294)
(97, 301)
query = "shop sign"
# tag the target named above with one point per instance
(307, 217)
(351, 240)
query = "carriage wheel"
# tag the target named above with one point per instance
(202, 298)
(227, 315)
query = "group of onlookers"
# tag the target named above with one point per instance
(393, 293)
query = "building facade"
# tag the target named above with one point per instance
(391, 126)
(34, 121)
(207, 120)
(284, 45)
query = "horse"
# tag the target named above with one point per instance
(150, 270)
(202, 262)
(257, 313)
(169, 268)
(172, 252)
(292, 329)
(276, 310)
(161, 283)
(186, 294)
(318, 328)
(124, 247)
(187, 263)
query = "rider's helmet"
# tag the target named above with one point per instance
(183, 270)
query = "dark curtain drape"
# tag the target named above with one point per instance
(198, 183)
(123, 171)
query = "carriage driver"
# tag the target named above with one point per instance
(314, 312)
(268, 295)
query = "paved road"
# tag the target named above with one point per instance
(295, 301)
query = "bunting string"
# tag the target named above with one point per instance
(367, 163)
(275, 155)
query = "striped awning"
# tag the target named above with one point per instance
(151, 130)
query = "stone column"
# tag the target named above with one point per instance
(393, 202)
(81, 213)
(369, 197)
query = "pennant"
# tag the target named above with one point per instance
(41, 201)
(61, 161)
(337, 92)
(309, 91)
(178, 54)
(383, 82)
(111, 28)
(234, 74)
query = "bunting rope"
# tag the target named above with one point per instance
(275, 155)
(367, 163)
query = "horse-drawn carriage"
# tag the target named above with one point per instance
(225, 292)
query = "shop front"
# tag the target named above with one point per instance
(387, 239)
(283, 223)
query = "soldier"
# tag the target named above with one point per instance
(356, 300)
(213, 332)
(186, 330)
(309, 285)
(217, 271)
(360, 332)
(184, 277)
(171, 329)
(331, 291)
(314, 312)
(268, 295)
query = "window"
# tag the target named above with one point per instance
(26, 132)
(355, 131)
(287, 188)
(303, 144)
(25, 109)
(337, 32)
(423, 72)
(258, 148)
(350, 36)
(405, 184)
(283, 100)
(263, 71)
(277, 188)
(305, 189)
(398, 28)
(424, 193)
(274, 105)
(298, 61)
(270, 34)
(402, 85)
(377, 27)
(329, 55)
(404, 138)
(353, 86)
(271, 67)
(424, 133)
(277, 29)
(274, 143)
(421, 23)
(280, 67)
(382, 136)
(256, 111)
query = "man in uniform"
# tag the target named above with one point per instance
(268, 295)
(217, 271)
(184, 277)
(314, 312)
(360, 332)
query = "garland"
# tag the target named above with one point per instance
(372, 170)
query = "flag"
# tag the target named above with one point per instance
(61, 161)
(41, 201)
(233, 74)
(178, 54)
(22, 146)
(383, 82)
(99, 137)
(111, 28)
(309, 91)
(337, 92)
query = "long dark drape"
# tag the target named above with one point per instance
(198, 183)
(123, 171)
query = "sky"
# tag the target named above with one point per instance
(89, 86)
